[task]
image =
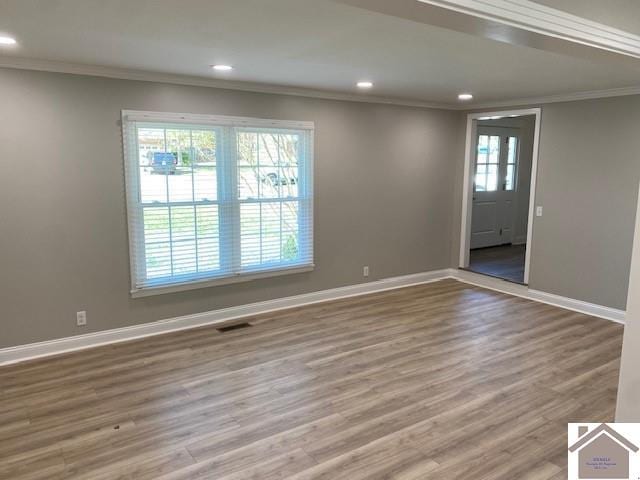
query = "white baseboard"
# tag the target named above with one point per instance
(32, 351)
(63, 345)
(593, 309)
(523, 291)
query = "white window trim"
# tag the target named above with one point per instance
(194, 285)
(214, 120)
(132, 195)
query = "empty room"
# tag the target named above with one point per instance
(319, 239)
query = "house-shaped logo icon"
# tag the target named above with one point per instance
(602, 453)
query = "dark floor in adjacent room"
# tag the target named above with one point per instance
(505, 261)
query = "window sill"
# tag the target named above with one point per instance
(181, 287)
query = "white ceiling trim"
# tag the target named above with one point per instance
(568, 97)
(146, 76)
(548, 21)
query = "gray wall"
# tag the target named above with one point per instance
(383, 178)
(589, 169)
(588, 172)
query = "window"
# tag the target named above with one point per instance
(512, 157)
(496, 168)
(487, 164)
(216, 199)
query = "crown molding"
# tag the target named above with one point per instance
(157, 77)
(176, 79)
(533, 17)
(564, 97)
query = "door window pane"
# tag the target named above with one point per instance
(481, 182)
(483, 148)
(494, 149)
(508, 185)
(512, 157)
(487, 165)
(492, 178)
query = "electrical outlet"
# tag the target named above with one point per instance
(365, 271)
(81, 318)
(538, 211)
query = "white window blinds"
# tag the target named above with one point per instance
(216, 199)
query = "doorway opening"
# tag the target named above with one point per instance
(498, 198)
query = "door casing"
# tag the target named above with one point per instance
(467, 191)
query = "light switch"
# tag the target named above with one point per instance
(538, 211)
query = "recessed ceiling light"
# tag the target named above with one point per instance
(7, 40)
(465, 96)
(222, 68)
(364, 84)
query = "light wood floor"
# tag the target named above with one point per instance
(441, 381)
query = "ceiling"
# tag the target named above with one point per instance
(314, 44)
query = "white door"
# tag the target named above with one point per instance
(495, 173)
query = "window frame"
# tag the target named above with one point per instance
(226, 153)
